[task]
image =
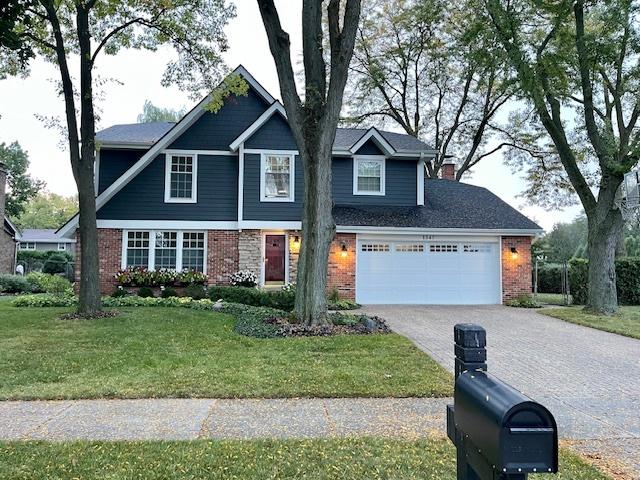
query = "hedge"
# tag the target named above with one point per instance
(627, 280)
(279, 299)
(550, 278)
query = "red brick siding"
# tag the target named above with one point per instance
(516, 272)
(109, 255)
(342, 270)
(222, 255)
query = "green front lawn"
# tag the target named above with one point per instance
(626, 322)
(178, 352)
(303, 459)
(550, 299)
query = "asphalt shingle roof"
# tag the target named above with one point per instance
(448, 204)
(42, 235)
(149, 133)
(143, 133)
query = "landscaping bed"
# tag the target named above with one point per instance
(194, 352)
(626, 322)
(349, 459)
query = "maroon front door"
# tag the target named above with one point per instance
(274, 263)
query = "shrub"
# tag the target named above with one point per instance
(56, 285)
(135, 301)
(289, 287)
(550, 278)
(334, 295)
(168, 292)
(145, 292)
(197, 292)
(243, 278)
(523, 301)
(627, 280)
(280, 299)
(56, 263)
(37, 280)
(45, 300)
(119, 292)
(343, 305)
(14, 284)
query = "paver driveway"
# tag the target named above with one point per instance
(589, 379)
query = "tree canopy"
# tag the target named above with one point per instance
(432, 68)
(22, 187)
(152, 113)
(47, 210)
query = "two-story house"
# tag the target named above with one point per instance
(221, 192)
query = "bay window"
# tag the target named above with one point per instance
(169, 250)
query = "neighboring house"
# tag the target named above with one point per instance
(45, 240)
(10, 235)
(221, 192)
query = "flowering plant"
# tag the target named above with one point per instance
(143, 277)
(243, 278)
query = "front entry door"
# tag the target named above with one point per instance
(274, 258)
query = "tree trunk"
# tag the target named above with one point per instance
(621, 246)
(318, 230)
(602, 239)
(89, 301)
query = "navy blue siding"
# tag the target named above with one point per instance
(113, 163)
(143, 197)
(254, 209)
(215, 131)
(369, 148)
(275, 135)
(400, 184)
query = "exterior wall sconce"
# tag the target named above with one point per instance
(343, 250)
(296, 240)
(514, 253)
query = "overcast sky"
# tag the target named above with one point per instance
(138, 78)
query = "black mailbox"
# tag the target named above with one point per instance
(499, 431)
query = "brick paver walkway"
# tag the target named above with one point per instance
(586, 377)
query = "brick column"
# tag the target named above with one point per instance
(516, 269)
(222, 255)
(342, 267)
(109, 258)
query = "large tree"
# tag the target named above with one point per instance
(432, 68)
(577, 65)
(313, 123)
(22, 186)
(47, 210)
(153, 113)
(78, 32)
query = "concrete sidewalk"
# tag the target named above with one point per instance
(189, 419)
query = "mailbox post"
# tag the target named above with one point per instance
(499, 433)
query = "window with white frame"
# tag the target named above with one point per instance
(181, 179)
(368, 176)
(62, 247)
(27, 246)
(193, 251)
(277, 178)
(166, 248)
(171, 250)
(137, 254)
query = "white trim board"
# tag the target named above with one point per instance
(184, 123)
(378, 139)
(168, 160)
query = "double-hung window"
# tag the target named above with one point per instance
(27, 246)
(170, 250)
(181, 183)
(62, 247)
(277, 178)
(368, 175)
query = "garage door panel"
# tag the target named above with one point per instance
(405, 272)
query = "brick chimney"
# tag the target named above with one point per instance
(3, 190)
(448, 171)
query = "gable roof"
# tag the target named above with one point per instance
(134, 133)
(45, 235)
(166, 139)
(448, 205)
(11, 228)
(377, 138)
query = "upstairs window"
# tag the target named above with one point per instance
(277, 178)
(181, 179)
(368, 176)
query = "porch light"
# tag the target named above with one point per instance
(343, 250)
(296, 240)
(514, 253)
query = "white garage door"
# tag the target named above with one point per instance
(427, 272)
